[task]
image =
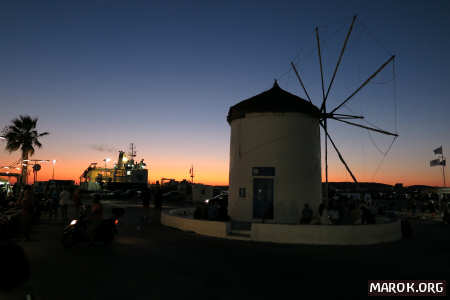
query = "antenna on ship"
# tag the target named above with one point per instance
(191, 173)
(132, 153)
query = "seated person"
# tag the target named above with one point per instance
(95, 218)
(307, 215)
(355, 214)
(213, 212)
(198, 212)
(446, 215)
(334, 215)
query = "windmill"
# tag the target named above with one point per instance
(332, 114)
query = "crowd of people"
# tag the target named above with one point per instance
(432, 206)
(346, 211)
(342, 211)
(30, 205)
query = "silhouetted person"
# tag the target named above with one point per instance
(27, 211)
(198, 212)
(158, 197)
(146, 195)
(213, 211)
(95, 218)
(64, 199)
(53, 204)
(37, 202)
(321, 208)
(365, 215)
(223, 211)
(432, 207)
(445, 216)
(307, 215)
(413, 207)
(76, 202)
(15, 271)
(355, 214)
(3, 200)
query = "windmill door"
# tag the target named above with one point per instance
(263, 198)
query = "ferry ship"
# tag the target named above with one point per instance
(126, 173)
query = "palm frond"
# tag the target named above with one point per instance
(16, 123)
(37, 143)
(22, 134)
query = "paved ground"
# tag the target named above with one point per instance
(162, 263)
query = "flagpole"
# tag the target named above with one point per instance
(443, 167)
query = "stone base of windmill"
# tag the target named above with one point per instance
(283, 233)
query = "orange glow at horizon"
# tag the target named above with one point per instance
(212, 168)
(212, 172)
(215, 173)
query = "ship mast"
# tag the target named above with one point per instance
(132, 153)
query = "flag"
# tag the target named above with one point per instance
(437, 162)
(438, 150)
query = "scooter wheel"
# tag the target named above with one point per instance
(68, 241)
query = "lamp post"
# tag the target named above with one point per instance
(53, 175)
(106, 160)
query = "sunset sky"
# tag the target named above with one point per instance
(163, 74)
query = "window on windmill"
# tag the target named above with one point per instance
(242, 192)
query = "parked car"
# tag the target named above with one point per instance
(214, 209)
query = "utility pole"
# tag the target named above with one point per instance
(443, 166)
(191, 171)
(53, 173)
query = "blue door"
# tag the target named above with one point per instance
(263, 198)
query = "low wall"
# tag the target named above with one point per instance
(289, 234)
(327, 234)
(175, 218)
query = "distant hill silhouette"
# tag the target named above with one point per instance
(361, 186)
(371, 186)
(420, 187)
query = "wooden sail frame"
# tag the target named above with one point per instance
(325, 115)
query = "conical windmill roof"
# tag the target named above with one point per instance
(274, 100)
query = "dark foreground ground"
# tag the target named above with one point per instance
(162, 263)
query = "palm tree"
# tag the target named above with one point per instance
(22, 134)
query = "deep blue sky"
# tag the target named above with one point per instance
(163, 74)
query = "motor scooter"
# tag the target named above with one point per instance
(76, 232)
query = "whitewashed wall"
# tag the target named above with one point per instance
(289, 142)
(210, 228)
(327, 234)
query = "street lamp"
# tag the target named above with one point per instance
(54, 162)
(106, 160)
